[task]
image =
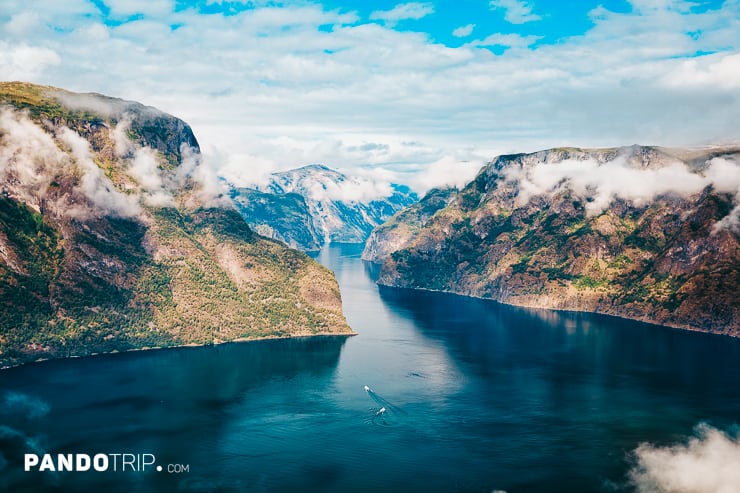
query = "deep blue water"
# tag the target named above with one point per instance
(477, 396)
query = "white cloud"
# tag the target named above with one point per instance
(508, 40)
(707, 463)
(731, 221)
(94, 184)
(211, 191)
(707, 72)
(517, 11)
(602, 182)
(22, 23)
(447, 171)
(272, 88)
(330, 185)
(724, 175)
(647, 6)
(463, 31)
(403, 11)
(89, 102)
(29, 158)
(354, 189)
(145, 169)
(30, 161)
(23, 62)
(127, 8)
(121, 143)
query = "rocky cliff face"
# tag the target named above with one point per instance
(645, 233)
(401, 229)
(314, 205)
(284, 217)
(114, 237)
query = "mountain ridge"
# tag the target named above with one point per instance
(403, 227)
(560, 229)
(314, 205)
(112, 238)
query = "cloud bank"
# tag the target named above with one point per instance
(32, 161)
(97, 187)
(29, 158)
(602, 183)
(707, 463)
(277, 87)
(329, 185)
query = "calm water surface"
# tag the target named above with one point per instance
(466, 395)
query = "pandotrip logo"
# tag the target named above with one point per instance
(112, 462)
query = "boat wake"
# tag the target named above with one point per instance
(387, 414)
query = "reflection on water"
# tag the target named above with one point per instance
(578, 391)
(506, 337)
(437, 393)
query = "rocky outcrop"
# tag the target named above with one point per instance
(401, 229)
(284, 217)
(645, 233)
(314, 205)
(112, 238)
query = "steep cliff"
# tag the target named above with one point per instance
(284, 217)
(114, 235)
(401, 229)
(639, 232)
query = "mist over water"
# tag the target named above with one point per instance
(462, 395)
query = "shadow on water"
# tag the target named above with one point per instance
(495, 337)
(585, 388)
(371, 270)
(166, 402)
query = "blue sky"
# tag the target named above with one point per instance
(422, 92)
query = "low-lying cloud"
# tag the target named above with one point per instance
(93, 182)
(447, 171)
(90, 102)
(352, 190)
(145, 169)
(29, 157)
(32, 159)
(211, 191)
(707, 463)
(603, 182)
(331, 185)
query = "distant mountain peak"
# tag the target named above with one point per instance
(336, 207)
(317, 166)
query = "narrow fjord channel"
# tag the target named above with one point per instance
(462, 395)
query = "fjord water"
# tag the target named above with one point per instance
(465, 395)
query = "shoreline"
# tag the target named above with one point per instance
(687, 328)
(180, 346)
